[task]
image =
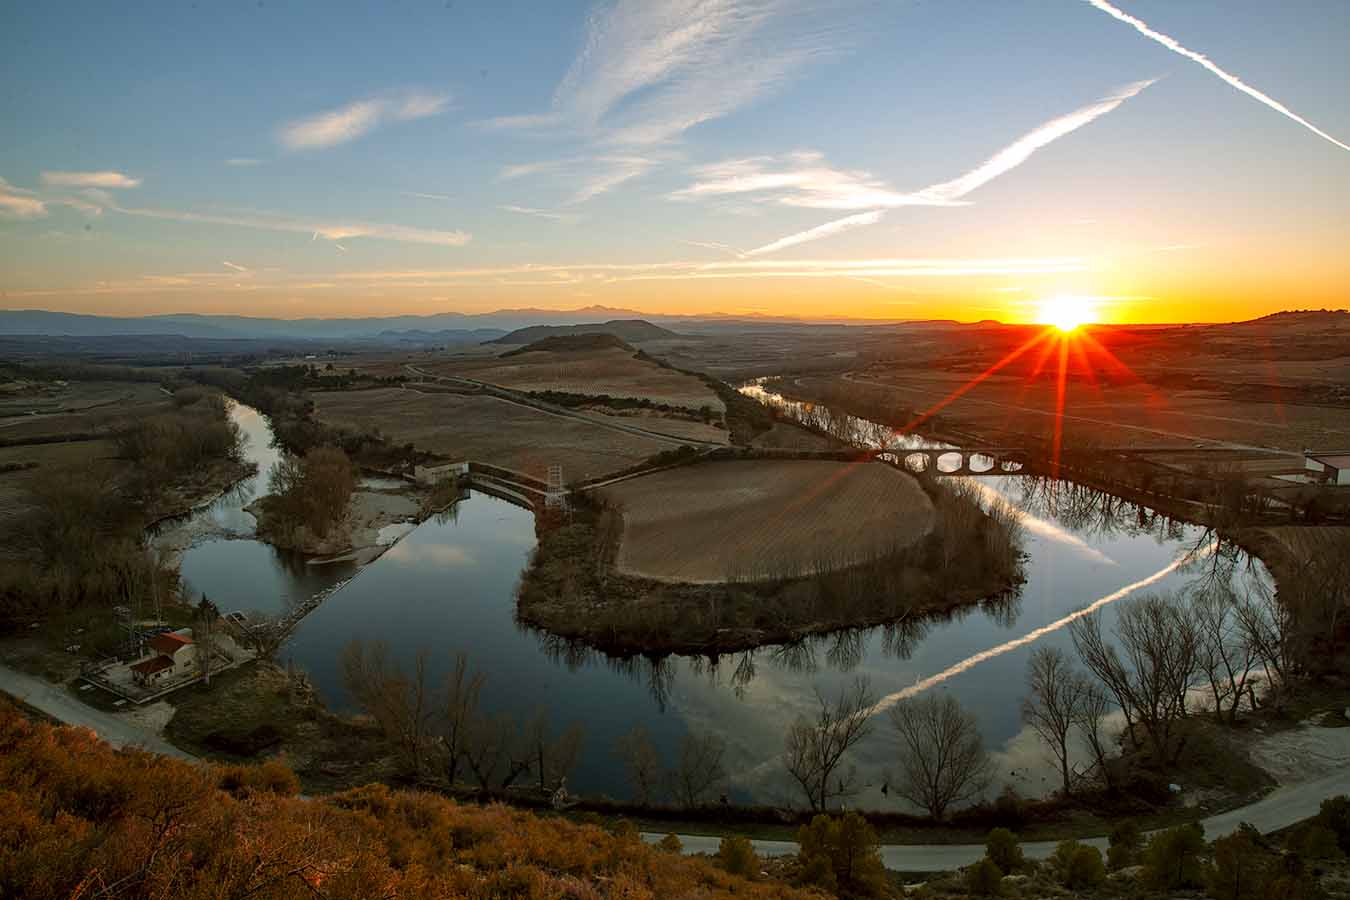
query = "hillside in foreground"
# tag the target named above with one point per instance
(79, 819)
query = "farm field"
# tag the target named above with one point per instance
(53, 461)
(612, 371)
(652, 421)
(488, 429)
(79, 407)
(719, 521)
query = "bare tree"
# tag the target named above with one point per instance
(699, 768)
(1093, 706)
(641, 761)
(548, 757)
(1223, 654)
(1159, 643)
(494, 751)
(1268, 627)
(1056, 693)
(461, 707)
(816, 746)
(402, 706)
(942, 757)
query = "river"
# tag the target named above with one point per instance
(449, 585)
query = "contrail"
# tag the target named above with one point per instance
(969, 662)
(820, 231)
(1171, 44)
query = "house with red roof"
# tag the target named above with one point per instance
(172, 655)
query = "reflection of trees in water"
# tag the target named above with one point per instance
(1005, 609)
(1092, 512)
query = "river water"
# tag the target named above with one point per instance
(449, 585)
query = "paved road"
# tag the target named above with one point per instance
(1278, 809)
(57, 702)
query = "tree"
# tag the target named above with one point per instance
(1241, 869)
(1052, 709)
(1223, 654)
(737, 856)
(1093, 707)
(816, 747)
(1078, 865)
(205, 637)
(641, 762)
(1159, 644)
(402, 706)
(551, 758)
(984, 879)
(1172, 858)
(494, 751)
(942, 757)
(699, 767)
(461, 708)
(1268, 627)
(1124, 844)
(842, 854)
(1001, 846)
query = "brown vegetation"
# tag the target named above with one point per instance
(81, 820)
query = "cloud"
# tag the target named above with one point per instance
(17, 203)
(829, 229)
(347, 123)
(238, 268)
(90, 179)
(243, 162)
(420, 196)
(333, 231)
(592, 175)
(649, 71)
(1172, 44)
(538, 213)
(802, 178)
(613, 171)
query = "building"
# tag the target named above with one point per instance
(1331, 468)
(172, 655)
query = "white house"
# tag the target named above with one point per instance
(173, 655)
(1334, 468)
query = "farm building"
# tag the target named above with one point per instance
(172, 655)
(1334, 468)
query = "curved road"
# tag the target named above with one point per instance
(1282, 807)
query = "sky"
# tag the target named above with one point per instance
(1139, 161)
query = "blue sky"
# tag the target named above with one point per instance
(888, 160)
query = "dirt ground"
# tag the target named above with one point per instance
(720, 521)
(488, 429)
(614, 371)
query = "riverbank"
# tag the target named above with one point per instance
(362, 534)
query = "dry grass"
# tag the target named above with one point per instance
(79, 407)
(487, 429)
(720, 521)
(73, 457)
(615, 372)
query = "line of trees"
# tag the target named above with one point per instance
(441, 733)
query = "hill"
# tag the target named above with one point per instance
(82, 820)
(634, 330)
(573, 343)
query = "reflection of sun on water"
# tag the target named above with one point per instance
(1066, 311)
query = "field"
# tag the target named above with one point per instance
(726, 520)
(488, 429)
(613, 371)
(52, 460)
(38, 410)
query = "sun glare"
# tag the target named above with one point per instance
(1066, 312)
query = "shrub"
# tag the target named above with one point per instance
(1002, 850)
(840, 853)
(984, 879)
(1123, 845)
(737, 856)
(1335, 815)
(1078, 865)
(671, 844)
(1241, 869)
(1316, 841)
(1172, 858)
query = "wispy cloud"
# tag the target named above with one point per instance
(347, 123)
(1176, 47)
(333, 231)
(829, 229)
(538, 213)
(17, 203)
(649, 71)
(243, 162)
(590, 176)
(90, 179)
(802, 179)
(443, 198)
(235, 266)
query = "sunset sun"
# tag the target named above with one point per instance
(1066, 312)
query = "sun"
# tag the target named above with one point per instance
(1066, 311)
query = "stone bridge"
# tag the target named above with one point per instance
(957, 461)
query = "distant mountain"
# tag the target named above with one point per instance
(632, 330)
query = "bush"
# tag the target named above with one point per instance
(1335, 815)
(1002, 850)
(737, 856)
(1078, 865)
(984, 879)
(1172, 858)
(671, 844)
(1316, 841)
(1123, 845)
(840, 854)
(1241, 869)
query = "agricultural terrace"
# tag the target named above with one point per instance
(614, 371)
(489, 429)
(747, 519)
